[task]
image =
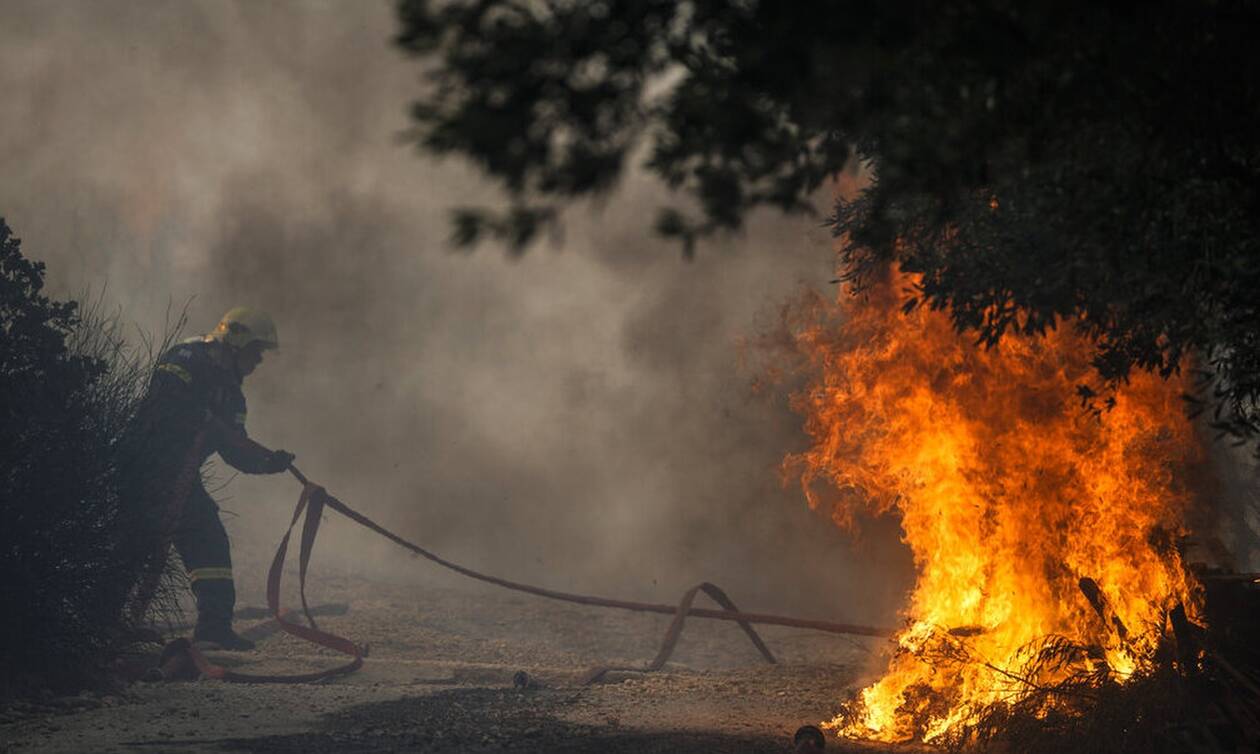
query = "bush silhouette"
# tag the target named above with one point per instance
(74, 545)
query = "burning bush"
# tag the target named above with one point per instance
(1045, 535)
(71, 548)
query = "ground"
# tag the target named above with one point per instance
(440, 679)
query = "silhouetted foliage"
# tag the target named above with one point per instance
(1036, 162)
(72, 548)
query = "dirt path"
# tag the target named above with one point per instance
(440, 679)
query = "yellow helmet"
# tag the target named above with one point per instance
(243, 325)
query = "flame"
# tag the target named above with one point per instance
(1015, 502)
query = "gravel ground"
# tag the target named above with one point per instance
(440, 679)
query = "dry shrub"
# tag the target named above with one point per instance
(1159, 709)
(74, 542)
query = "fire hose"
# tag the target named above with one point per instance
(314, 500)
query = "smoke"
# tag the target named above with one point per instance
(577, 417)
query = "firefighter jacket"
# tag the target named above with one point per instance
(192, 391)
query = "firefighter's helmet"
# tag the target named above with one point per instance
(243, 325)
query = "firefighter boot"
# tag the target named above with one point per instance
(215, 600)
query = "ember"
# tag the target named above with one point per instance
(1043, 534)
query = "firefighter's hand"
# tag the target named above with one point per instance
(280, 461)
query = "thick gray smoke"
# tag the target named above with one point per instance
(577, 417)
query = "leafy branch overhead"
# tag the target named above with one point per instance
(552, 99)
(1036, 162)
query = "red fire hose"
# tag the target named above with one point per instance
(314, 499)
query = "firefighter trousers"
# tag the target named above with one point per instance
(202, 544)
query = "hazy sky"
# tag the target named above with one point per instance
(578, 417)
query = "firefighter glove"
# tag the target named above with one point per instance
(280, 461)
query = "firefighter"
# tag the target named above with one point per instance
(194, 408)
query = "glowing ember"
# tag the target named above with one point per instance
(1017, 504)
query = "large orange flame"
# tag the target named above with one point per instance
(1015, 501)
